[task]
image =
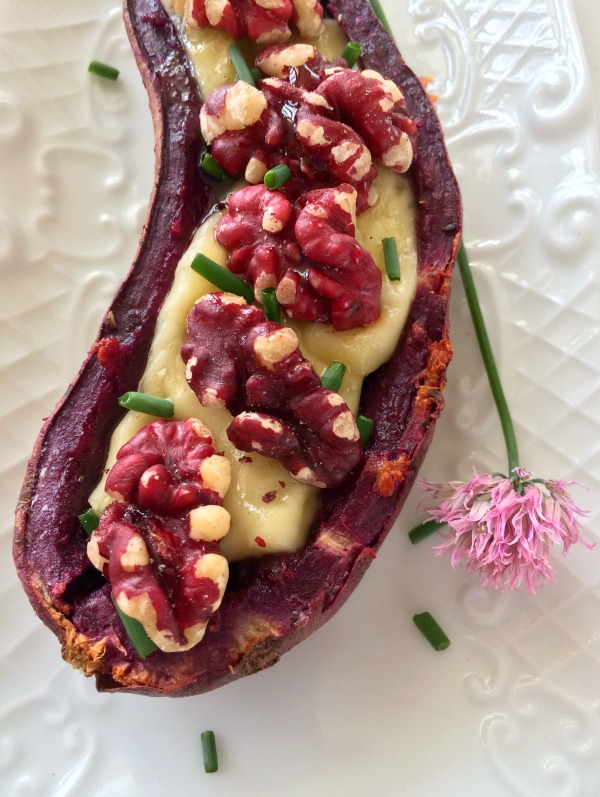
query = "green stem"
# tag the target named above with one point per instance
(380, 15)
(508, 429)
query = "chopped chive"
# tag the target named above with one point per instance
(351, 53)
(103, 70)
(89, 521)
(221, 277)
(209, 166)
(136, 632)
(256, 74)
(431, 631)
(392, 262)
(270, 305)
(148, 404)
(277, 176)
(424, 530)
(239, 64)
(332, 376)
(209, 751)
(365, 429)
(376, 5)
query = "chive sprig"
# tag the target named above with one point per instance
(332, 376)
(392, 261)
(148, 404)
(351, 53)
(277, 176)
(365, 429)
(432, 632)
(424, 530)
(221, 277)
(103, 70)
(136, 632)
(89, 521)
(270, 305)
(239, 64)
(209, 751)
(209, 166)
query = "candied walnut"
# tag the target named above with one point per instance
(232, 107)
(374, 107)
(159, 575)
(340, 269)
(263, 21)
(243, 131)
(258, 233)
(319, 270)
(161, 467)
(308, 17)
(323, 120)
(251, 130)
(211, 365)
(280, 408)
(302, 65)
(157, 543)
(249, 230)
(279, 59)
(341, 149)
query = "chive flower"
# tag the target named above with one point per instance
(503, 527)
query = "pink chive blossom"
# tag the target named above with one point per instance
(505, 528)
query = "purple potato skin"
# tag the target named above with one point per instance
(274, 602)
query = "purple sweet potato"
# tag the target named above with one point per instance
(274, 602)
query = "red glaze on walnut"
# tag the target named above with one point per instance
(263, 22)
(251, 130)
(326, 123)
(308, 252)
(157, 544)
(339, 268)
(235, 358)
(160, 468)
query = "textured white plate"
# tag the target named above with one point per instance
(364, 707)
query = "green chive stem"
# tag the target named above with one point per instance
(365, 429)
(103, 70)
(277, 176)
(392, 261)
(489, 363)
(221, 277)
(209, 751)
(136, 632)
(256, 74)
(431, 631)
(351, 53)
(209, 166)
(89, 521)
(332, 376)
(270, 305)
(239, 64)
(376, 5)
(148, 404)
(424, 530)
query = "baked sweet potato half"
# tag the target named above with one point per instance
(272, 602)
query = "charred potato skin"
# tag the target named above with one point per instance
(276, 601)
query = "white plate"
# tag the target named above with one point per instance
(364, 707)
